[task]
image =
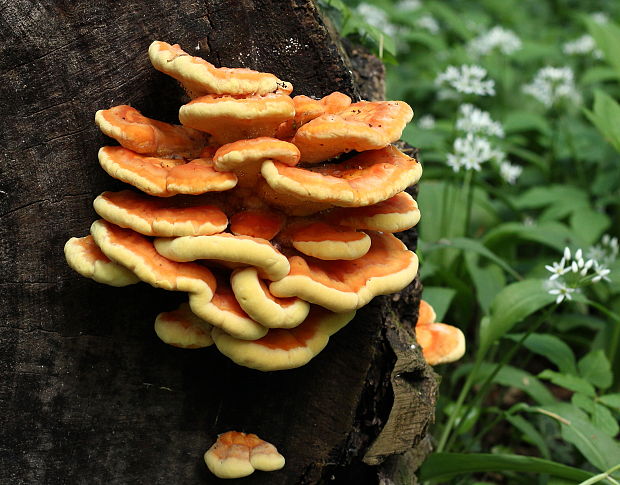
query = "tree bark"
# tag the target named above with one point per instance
(88, 392)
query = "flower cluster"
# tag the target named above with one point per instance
(470, 152)
(474, 120)
(582, 46)
(552, 84)
(426, 122)
(574, 272)
(510, 172)
(428, 22)
(466, 79)
(376, 17)
(408, 5)
(498, 38)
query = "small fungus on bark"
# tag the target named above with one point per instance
(237, 455)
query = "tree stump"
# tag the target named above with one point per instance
(88, 392)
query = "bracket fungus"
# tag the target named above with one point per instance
(85, 257)
(253, 206)
(182, 328)
(441, 343)
(237, 455)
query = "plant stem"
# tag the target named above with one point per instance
(459, 403)
(446, 439)
(469, 193)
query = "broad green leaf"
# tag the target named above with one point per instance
(488, 280)
(606, 117)
(539, 197)
(611, 400)
(595, 368)
(589, 225)
(604, 420)
(509, 376)
(550, 347)
(584, 402)
(598, 448)
(569, 381)
(512, 305)
(599, 74)
(530, 433)
(607, 37)
(443, 466)
(467, 244)
(552, 234)
(439, 298)
(518, 120)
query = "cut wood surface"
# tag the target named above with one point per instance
(88, 393)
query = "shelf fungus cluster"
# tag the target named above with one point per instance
(274, 214)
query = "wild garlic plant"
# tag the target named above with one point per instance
(516, 121)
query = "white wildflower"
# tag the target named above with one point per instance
(600, 17)
(552, 84)
(606, 252)
(426, 122)
(474, 120)
(557, 269)
(498, 38)
(582, 46)
(509, 172)
(469, 153)
(428, 22)
(561, 291)
(600, 272)
(376, 17)
(408, 5)
(467, 79)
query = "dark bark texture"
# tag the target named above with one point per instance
(87, 391)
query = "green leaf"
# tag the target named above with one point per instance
(439, 298)
(611, 400)
(584, 402)
(604, 420)
(552, 234)
(595, 368)
(606, 117)
(518, 121)
(451, 18)
(467, 244)
(607, 37)
(598, 448)
(509, 376)
(598, 74)
(551, 347)
(488, 280)
(539, 197)
(443, 466)
(569, 381)
(589, 225)
(530, 433)
(511, 305)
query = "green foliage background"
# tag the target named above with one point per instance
(537, 395)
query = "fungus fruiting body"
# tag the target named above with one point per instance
(237, 455)
(255, 208)
(441, 343)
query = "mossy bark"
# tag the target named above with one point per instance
(89, 394)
